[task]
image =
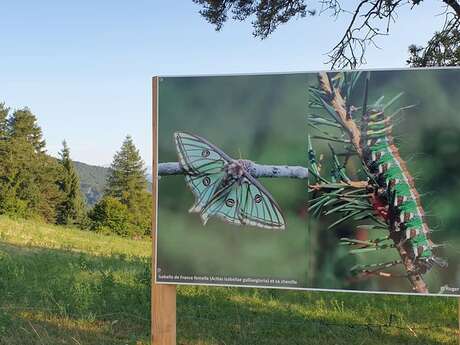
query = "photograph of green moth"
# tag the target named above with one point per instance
(337, 180)
(223, 187)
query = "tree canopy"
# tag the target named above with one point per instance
(34, 184)
(443, 49)
(28, 176)
(23, 126)
(368, 20)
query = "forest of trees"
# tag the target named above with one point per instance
(35, 185)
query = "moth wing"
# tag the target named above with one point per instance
(257, 206)
(224, 204)
(198, 156)
(237, 203)
(247, 203)
(204, 164)
(203, 187)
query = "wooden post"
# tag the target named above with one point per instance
(163, 296)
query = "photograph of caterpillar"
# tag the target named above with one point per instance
(395, 187)
(387, 196)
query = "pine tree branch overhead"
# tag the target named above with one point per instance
(368, 21)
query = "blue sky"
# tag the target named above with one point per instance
(85, 67)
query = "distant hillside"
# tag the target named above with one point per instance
(93, 179)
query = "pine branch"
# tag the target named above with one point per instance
(363, 29)
(336, 106)
(454, 4)
(256, 170)
(339, 105)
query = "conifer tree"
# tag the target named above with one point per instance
(4, 111)
(23, 126)
(29, 177)
(5, 194)
(127, 183)
(126, 179)
(72, 208)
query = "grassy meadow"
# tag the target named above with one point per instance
(65, 286)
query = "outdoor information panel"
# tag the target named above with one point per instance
(337, 180)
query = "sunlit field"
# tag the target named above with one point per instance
(66, 286)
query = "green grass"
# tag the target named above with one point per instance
(65, 286)
(248, 316)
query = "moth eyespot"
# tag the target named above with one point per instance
(230, 202)
(258, 198)
(206, 181)
(205, 153)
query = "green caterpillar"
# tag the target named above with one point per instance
(394, 196)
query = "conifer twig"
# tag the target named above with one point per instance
(337, 107)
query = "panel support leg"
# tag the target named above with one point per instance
(163, 328)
